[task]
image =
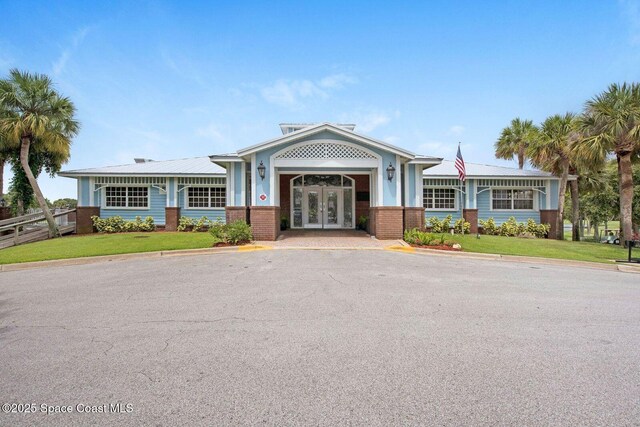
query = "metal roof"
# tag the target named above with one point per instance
(191, 166)
(447, 168)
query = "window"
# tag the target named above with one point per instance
(509, 199)
(439, 198)
(126, 197)
(206, 197)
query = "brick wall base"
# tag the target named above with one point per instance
(171, 218)
(549, 217)
(84, 225)
(387, 222)
(471, 216)
(413, 218)
(265, 222)
(234, 213)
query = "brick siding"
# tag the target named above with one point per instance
(265, 222)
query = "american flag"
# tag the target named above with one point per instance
(462, 172)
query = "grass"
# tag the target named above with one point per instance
(545, 248)
(103, 244)
(112, 244)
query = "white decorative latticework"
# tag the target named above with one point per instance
(325, 150)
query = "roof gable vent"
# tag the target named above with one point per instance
(141, 160)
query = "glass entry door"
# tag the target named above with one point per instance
(322, 201)
(323, 207)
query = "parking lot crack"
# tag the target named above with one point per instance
(110, 344)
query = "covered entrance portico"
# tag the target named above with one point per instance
(322, 201)
(324, 177)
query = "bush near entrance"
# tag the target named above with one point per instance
(235, 233)
(513, 228)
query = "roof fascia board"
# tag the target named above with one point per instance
(319, 128)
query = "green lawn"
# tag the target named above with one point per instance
(104, 244)
(546, 248)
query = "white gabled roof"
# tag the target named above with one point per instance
(447, 169)
(320, 127)
(191, 166)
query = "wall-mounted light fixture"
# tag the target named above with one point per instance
(391, 171)
(261, 169)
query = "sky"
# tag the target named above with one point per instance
(168, 80)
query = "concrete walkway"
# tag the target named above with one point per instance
(328, 239)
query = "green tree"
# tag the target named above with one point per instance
(612, 125)
(38, 118)
(515, 139)
(552, 151)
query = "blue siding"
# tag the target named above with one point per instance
(85, 192)
(485, 212)
(157, 204)
(441, 215)
(472, 193)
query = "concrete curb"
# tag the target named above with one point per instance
(109, 258)
(625, 268)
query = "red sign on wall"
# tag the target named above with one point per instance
(263, 197)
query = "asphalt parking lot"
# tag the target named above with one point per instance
(319, 338)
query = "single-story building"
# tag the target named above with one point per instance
(317, 176)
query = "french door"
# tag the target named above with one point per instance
(323, 207)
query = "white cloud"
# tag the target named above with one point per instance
(212, 132)
(60, 63)
(368, 121)
(446, 150)
(292, 93)
(456, 130)
(337, 81)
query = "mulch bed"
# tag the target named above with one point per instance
(438, 247)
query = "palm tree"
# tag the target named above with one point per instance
(612, 125)
(38, 117)
(552, 151)
(515, 139)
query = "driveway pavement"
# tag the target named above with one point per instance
(320, 338)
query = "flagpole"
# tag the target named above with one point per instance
(461, 202)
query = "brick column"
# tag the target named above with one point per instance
(84, 225)
(371, 222)
(5, 212)
(471, 216)
(234, 213)
(388, 222)
(550, 216)
(171, 218)
(413, 218)
(265, 222)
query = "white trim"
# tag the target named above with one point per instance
(91, 197)
(303, 133)
(272, 183)
(419, 184)
(176, 201)
(406, 184)
(167, 201)
(501, 177)
(398, 183)
(143, 175)
(467, 190)
(253, 180)
(103, 197)
(243, 180)
(547, 188)
(79, 190)
(325, 163)
(536, 207)
(456, 199)
(231, 199)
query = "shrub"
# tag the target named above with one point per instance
(422, 238)
(116, 224)
(489, 226)
(440, 226)
(512, 228)
(190, 224)
(234, 233)
(458, 224)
